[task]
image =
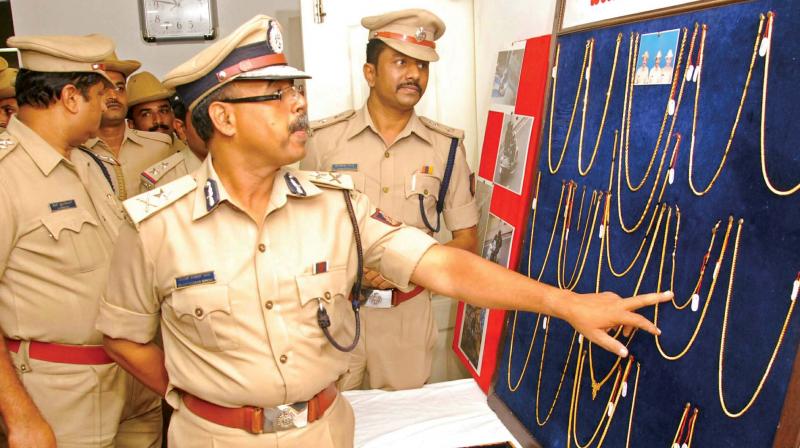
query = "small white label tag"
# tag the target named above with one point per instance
(544, 323)
(610, 411)
(566, 235)
(716, 271)
(795, 288)
(671, 175)
(675, 445)
(624, 389)
(685, 445)
(671, 107)
(580, 338)
(533, 204)
(764, 47)
(689, 72)
(696, 73)
(602, 230)
(695, 302)
(555, 72)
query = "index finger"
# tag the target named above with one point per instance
(642, 300)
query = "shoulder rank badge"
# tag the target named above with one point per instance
(212, 194)
(379, 215)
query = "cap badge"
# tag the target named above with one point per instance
(421, 35)
(274, 37)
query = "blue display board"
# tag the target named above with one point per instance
(767, 254)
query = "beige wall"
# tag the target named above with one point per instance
(119, 19)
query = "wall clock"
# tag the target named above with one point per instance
(170, 20)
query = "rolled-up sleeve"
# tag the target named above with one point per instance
(460, 208)
(130, 308)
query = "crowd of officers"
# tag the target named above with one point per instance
(157, 251)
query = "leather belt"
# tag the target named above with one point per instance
(61, 353)
(264, 420)
(388, 298)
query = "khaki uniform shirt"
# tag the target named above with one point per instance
(59, 221)
(237, 300)
(173, 167)
(139, 150)
(394, 177)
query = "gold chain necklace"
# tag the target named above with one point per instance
(699, 77)
(539, 420)
(793, 301)
(714, 278)
(605, 109)
(633, 406)
(583, 249)
(671, 108)
(768, 38)
(554, 170)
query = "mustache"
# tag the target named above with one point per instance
(159, 127)
(300, 124)
(113, 103)
(410, 84)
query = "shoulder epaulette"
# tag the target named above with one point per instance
(325, 122)
(7, 144)
(152, 175)
(330, 179)
(142, 206)
(442, 129)
(156, 136)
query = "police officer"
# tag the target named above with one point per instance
(654, 76)
(60, 220)
(413, 169)
(125, 152)
(249, 266)
(151, 110)
(643, 72)
(8, 100)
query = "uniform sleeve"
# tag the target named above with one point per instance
(130, 308)
(390, 247)
(8, 229)
(460, 208)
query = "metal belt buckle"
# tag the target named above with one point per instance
(378, 298)
(286, 416)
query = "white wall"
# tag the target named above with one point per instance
(119, 19)
(498, 23)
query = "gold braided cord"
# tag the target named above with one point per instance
(690, 435)
(633, 48)
(764, 174)
(539, 420)
(627, 127)
(699, 324)
(633, 406)
(681, 424)
(583, 249)
(695, 189)
(552, 236)
(605, 111)
(554, 170)
(624, 272)
(538, 317)
(706, 257)
(777, 347)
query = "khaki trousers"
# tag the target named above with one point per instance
(335, 430)
(396, 347)
(90, 405)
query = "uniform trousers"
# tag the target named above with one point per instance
(396, 347)
(334, 430)
(90, 405)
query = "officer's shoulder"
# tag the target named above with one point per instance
(145, 205)
(332, 120)
(153, 136)
(329, 179)
(7, 144)
(155, 172)
(447, 131)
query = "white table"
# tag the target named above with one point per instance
(450, 414)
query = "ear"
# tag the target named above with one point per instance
(370, 71)
(71, 98)
(130, 124)
(223, 118)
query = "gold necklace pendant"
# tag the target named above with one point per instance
(551, 168)
(766, 49)
(703, 191)
(768, 369)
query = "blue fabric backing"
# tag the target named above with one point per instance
(769, 253)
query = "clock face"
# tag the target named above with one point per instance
(177, 19)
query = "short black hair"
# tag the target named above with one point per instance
(374, 49)
(178, 108)
(200, 118)
(41, 89)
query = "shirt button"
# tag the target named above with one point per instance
(385, 189)
(425, 192)
(268, 305)
(386, 154)
(262, 247)
(284, 358)
(23, 367)
(198, 312)
(328, 295)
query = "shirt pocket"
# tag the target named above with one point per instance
(77, 238)
(204, 316)
(330, 288)
(426, 187)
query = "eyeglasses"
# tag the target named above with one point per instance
(292, 93)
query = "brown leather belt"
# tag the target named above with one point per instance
(61, 353)
(263, 420)
(399, 297)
